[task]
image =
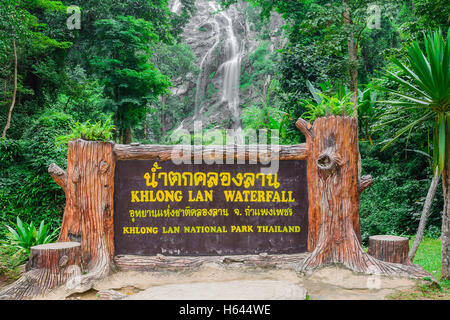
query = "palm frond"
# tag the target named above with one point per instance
(424, 83)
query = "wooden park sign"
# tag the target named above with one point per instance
(218, 209)
(131, 200)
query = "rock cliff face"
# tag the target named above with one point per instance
(221, 41)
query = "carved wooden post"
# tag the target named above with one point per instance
(333, 190)
(88, 215)
(324, 139)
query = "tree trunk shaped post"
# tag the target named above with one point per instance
(333, 192)
(88, 215)
(323, 161)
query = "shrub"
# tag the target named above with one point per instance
(330, 105)
(26, 189)
(24, 236)
(10, 151)
(92, 132)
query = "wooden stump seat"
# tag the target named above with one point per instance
(50, 265)
(389, 248)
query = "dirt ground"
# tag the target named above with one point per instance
(334, 283)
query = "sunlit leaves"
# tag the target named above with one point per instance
(330, 105)
(98, 131)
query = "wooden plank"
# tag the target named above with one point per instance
(236, 152)
(170, 263)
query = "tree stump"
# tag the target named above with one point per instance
(389, 248)
(334, 187)
(50, 265)
(54, 256)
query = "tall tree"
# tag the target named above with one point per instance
(115, 45)
(20, 28)
(13, 100)
(425, 214)
(122, 63)
(352, 49)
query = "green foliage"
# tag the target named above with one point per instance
(24, 25)
(329, 105)
(431, 14)
(366, 111)
(26, 189)
(97, 131)
(10, 150)
(262, 63)
(122, 63)
(174, 60)
(317, 46)
(21, 25)
(425, 86)
(10, 260)
(67, 75)
(23, 236)
(177, 62)
(267, 115)
(394, 202)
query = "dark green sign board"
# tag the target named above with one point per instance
(226, 209)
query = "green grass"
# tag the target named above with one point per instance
(428, 256)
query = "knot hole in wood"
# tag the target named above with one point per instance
(104, 167)
(326, 162)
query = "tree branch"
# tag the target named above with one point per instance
(305, 127)
(58, 174)
(364, 183)
(13, 101)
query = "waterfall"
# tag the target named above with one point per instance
(231, 81)
(176, 4)
(199, 92)
(211, 34)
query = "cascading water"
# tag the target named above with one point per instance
(218, 39)
(222, 42)
(199, 93)
(176, 5)
(231, 81)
